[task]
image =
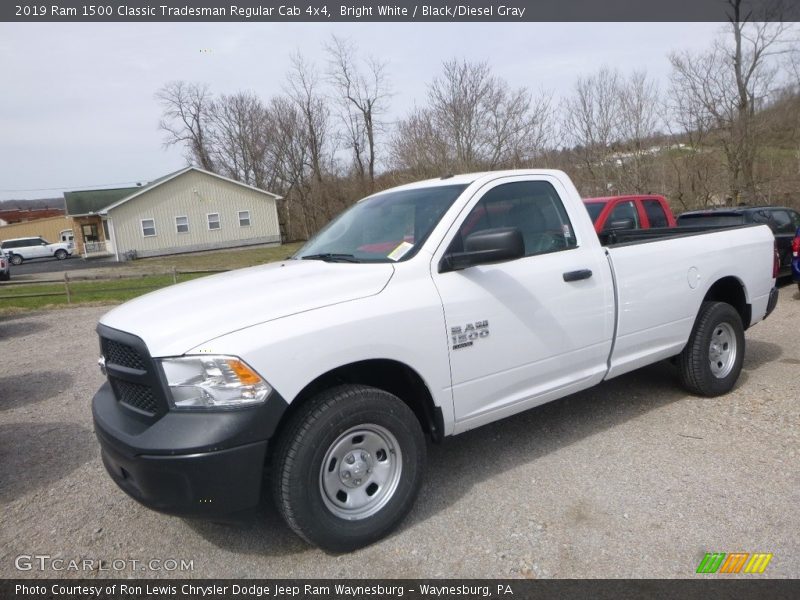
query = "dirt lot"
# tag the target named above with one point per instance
(632, 479)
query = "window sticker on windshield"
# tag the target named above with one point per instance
(400, 251)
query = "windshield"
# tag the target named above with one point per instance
(594, 208)
(386, 227)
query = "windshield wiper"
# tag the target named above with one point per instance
(331, 257)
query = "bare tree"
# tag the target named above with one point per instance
(362, 94)
(239, 138)
(638, 125)
(185, 109)
(727, 85)
(304, 90)
(591, 125)
(472, 120)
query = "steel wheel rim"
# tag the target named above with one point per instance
(360, 472)
(722, 350)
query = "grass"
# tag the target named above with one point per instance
(218, 259)
(135, 278)
(82, 292)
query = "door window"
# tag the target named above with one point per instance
(624, 211)
(655, 213)
(533, 207)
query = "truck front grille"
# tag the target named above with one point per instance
(132, 373)
(134, 395)
(123, 355)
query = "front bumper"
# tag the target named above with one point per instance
(193, 463)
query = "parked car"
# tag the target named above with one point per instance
(796, 257)
(5, 267)
(781, 220)
(428, 309)
(629, 212)
(22, 249)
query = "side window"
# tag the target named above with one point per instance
(655, 213)
(244, 218)
(763, 217)
(783, 222)
(213, 221)
(624, 211)
(531, 206)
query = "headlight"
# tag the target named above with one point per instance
(213, 382)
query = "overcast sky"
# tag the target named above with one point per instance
(77, 107)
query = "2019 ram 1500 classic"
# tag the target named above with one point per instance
(427, 309)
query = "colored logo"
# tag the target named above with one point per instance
(735, 562)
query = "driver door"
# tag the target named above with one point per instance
(519, 333)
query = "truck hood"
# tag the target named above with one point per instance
(175, 319)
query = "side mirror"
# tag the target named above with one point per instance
(487, 246)
(620, 225)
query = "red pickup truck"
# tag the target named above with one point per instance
(629, 212)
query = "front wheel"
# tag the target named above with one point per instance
(348, 467)
(61, 254)
(710, 363)
(15, 259)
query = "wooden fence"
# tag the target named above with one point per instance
(69, 293)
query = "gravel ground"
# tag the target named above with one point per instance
(631, 479)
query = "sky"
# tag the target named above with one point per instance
(77, 106)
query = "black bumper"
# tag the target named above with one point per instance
(193, 464)
(772, 302)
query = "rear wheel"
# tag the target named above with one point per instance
(712, 359)
(15, 259)
(61, 254)
(348, 467)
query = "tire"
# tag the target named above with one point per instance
(354, 445)
(16, 259)
(710, 363)
(60, 254)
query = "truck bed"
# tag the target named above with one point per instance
(627, 237)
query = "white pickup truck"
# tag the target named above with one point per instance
(427, 309)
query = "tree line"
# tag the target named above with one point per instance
(724, 130)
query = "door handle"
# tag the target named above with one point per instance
(577, 275)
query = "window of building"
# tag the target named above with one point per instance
(244, 218)
(182, 224)
(148, 227)
(213, 221)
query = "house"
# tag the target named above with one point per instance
(53, 229)
(186, 211)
